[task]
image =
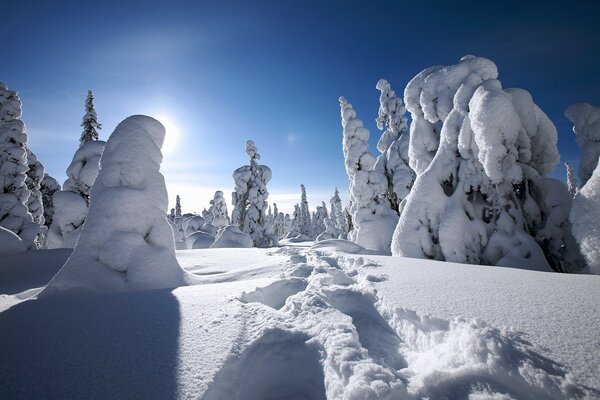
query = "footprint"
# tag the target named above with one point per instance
(279, 365)
(275, 294)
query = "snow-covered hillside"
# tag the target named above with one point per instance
(295, 322)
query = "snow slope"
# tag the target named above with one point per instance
(304, 323)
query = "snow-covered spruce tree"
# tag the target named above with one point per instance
(584, 217)
(480, 153)
(250, 199)
(393, 146)
(338, 214)
(372, 218)
(218, 209)
(571, 180)
(318, 222)
(35, 174)
(48, 187)
(207, 215)
(90, 121)
(177, 206)
(586, 121)
(295, 222)
(172, 215)
(72, 202)
(279, 226)
(125, 248)
(305, 218)
(14, 194)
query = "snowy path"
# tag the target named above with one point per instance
(322, 322)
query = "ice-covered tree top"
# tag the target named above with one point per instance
(355, 140)
(251, 150)
(90, 121)
(586, 125)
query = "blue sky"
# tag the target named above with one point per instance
(218, 74)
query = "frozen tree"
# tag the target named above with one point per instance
(172, 215)
(48, 187)
(177, 206)
(35, 174)
(72, 202)
(571, 180)
(90, 121)
(338, 214)
(218, 209)
(318, 222)
(207, 215)
(279, 226)
(586, 121)
(480, 153)
(250, 199)
(295, 222)
(585, 215)
(372, 218)
(393, 145)
(305, 219)
(14, 194)
(287, 225)
(127, 244)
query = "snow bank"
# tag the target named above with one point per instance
(232, 236)
(126, 243)
(199, 240)
(10, 243)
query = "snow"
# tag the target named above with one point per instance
(126, 242)
(584, 218)
(10, 243)
(232, 236)
(313, 323)
(199, 240)
(586, 125)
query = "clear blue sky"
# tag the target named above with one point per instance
(220, 72)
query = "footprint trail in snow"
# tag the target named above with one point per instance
(321, 332)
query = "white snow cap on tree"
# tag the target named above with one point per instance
(127, 243)
(35, 174)
(373, 220)
(571, 180)
(90, 121)
(586, 121)
(584, 217)
(480, 153)
(218, 209)
(250, 199)
(305, 218)
(14, 194)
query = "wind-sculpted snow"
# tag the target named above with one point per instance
(328, 322)
(126, 243)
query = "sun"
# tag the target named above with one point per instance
(172, 136)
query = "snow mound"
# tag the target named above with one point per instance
(126, 243)
(67, 223)
(10, 243)
(199, 240)
(232, 236)
(344, 246)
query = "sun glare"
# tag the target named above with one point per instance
(172, 136)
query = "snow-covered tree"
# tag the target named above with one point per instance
(127, 244)
(172, 215)
(584, 217)
(177, 206)
(318, 222)
(337, 214)
(586, 121)
(207, 215)
(35, 174)
(72, 202)
(90, 121)
(393, 145)
(305, 218)
(250, 199)
(218, 209)
(295, 222)
(571, 180)
(48, 187)
(279, 225)
(480, 153)
(372, 218)
(14, 194)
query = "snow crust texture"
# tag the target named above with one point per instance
(126, 242)
(321, 332)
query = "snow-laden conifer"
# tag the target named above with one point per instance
(305, 217)
(481, 154)
(250, 199)
(48, 186)
(218, 209)
(177, 206)
(90, 121)
(571, 180)
(14, 193)
(373, 219)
